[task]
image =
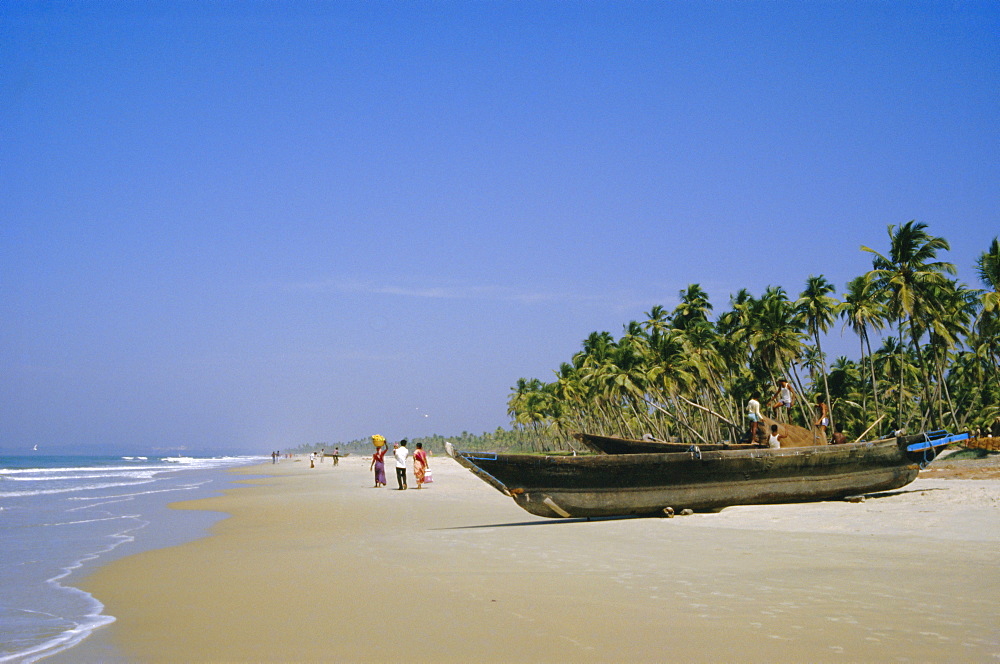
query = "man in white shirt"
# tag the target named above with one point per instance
(401, 453)
(754, 415)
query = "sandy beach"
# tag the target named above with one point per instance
(315, 565)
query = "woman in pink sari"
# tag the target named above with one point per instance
(420, 464)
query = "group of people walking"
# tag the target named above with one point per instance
(421, 468)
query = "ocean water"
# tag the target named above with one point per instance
(62, 516)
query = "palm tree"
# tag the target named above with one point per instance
(819, 310)
(988, 268)
(863, 310)
(693, 308)
(905, 277)
(946, 323)
(776, 335)
(657, 320)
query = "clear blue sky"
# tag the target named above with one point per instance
(247, 226)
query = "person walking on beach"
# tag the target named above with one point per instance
(753, 414)
(378, 459)
(420, 464)
(336, 456)
(400, 453)
(378, 463)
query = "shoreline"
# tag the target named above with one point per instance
(316, 565)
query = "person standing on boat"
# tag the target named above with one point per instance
(401, 453)
(753, 414)
(824, 418)
(419, 464)
(783, 398)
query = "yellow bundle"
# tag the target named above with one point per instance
(378, 440)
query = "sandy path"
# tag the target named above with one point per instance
(315, 565)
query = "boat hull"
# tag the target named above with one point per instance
(647, 484)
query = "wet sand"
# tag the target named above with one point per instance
(315, 565)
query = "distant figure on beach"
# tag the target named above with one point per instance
(336, 455)
(378, 463)
(419, 464)
(783, 398)
(774, 440)
(400, 453)
(753, 414)
(274, 457)
(312, 460)
(823, 421)
(322, 453)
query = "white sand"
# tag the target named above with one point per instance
(315, 565)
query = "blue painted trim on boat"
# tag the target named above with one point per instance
(479, 456)
(936, 439)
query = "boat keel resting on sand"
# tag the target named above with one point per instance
(651, 484)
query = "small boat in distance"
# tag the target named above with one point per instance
(653, 484)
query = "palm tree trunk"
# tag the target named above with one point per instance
(871, 363)
(679, 421)
(826, 384)
(899, 409)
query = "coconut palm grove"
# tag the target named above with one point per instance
(929, 357)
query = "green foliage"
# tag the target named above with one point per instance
(684, 376)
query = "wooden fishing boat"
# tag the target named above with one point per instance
(615, 445)
(653, 484)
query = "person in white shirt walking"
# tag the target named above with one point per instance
(401, 452)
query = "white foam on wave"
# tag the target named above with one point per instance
(130, 496)
(74, 489)
(136, 474)
(94, 616)
(13, 472)
(88, 612)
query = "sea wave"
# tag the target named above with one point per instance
(144, 475)
(70, 489)
(14, 472)
(59, 517)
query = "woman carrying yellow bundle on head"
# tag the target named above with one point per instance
(378, 460)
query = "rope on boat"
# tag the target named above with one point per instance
(928, 457)
(695, 452)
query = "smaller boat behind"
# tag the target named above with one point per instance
(615, 445)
